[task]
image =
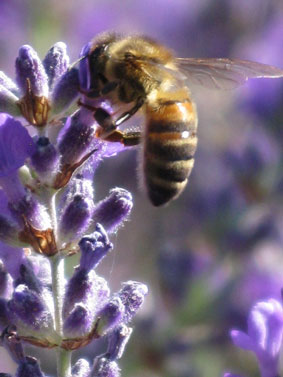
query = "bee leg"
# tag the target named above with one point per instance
(128, 114)
(125, 138)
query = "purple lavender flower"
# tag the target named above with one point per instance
(81, 368)
(16, 145)
(264, 335)
(112, 211)
(47, 206)
(56, 62)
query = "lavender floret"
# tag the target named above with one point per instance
(81, 368)
(56, 62)
(114, 210)
(94, 248)
(30, 71)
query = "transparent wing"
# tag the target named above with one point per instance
(224, 73)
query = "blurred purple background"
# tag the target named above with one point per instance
(212, 253)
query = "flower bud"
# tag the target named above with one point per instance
(132, 296)
(110, 316)
(29, 68)
(114, 210)
(77, 137)
(31, 210)
(77, 211)
(65, 91)
(117, 341)
(56, 62)
(81, 368)
(28, 278)
(85, 288)
(103, 367)
(30, 309)
(45, 158)
(78, 323)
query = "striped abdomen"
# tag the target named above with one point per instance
(169, 146)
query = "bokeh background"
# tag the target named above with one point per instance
(211, 254)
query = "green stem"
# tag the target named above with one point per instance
(63, 363)
(57, 270)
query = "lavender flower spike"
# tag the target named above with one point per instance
(264, 337)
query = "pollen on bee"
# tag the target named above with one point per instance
(185, 134)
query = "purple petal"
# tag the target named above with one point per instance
(12, 258)
(242, 340)
(94, 247)
(16, 145)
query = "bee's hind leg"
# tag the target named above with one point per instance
(126, 138)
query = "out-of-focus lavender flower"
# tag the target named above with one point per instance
(264, 335)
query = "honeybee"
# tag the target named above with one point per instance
(135, 72)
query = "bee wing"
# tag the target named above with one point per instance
(224, 74)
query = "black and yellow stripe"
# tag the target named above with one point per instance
(170, 144)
